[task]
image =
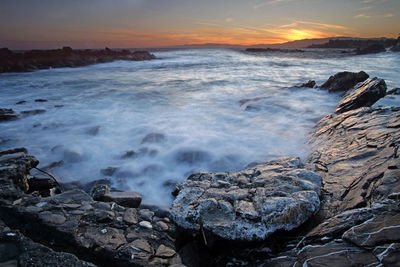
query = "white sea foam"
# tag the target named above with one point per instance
(216, 110)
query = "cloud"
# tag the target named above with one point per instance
(362, 16)
(388, 15)
(365, 8)
(228, 19)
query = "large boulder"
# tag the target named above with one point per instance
(364, 94)
(344, 81)
(249, 204)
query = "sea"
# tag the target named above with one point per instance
(148, 125)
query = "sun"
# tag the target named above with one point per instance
(295, 34)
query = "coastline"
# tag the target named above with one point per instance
(342, 229)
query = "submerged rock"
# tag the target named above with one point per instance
(308, 84)
(344, 81)
(153, 138)
(26, 113)
(394, 91)
(7, 114)
(250, 204)
(364, 94)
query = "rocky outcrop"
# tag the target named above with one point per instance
(65, 57)
(364, 94)
(250, 204)
(371, 49)
(308, 84)
(343, 81)
(394, 91)
(72, 222)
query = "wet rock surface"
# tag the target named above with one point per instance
(7, 114)
(344, 81)
(250, 204)
(364, 94)
(81, 229)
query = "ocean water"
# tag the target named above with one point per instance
(147, 125)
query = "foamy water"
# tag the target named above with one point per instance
(155, 122)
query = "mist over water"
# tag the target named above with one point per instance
(156, 122)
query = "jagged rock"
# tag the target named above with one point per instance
(98, 192)
(344, 81)
(394, 91)
(8, 114)
(165, 252)
(279, 195)
(357, 157)
(364, 94)
(308, 84)
(45, 186)
(18, 250)
(72, 221)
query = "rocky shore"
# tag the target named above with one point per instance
(66, 57)
(340, 206)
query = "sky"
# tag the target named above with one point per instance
(39, 24)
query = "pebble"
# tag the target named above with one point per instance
(146, 224)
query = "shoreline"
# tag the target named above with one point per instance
(122, 232)
(33, 60)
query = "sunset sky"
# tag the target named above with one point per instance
(147, 23)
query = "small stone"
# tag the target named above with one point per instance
(51, 218)
(141, 244)
(146, 214)
(130, 216)
(162, 226)
(158, 261)
(103, 231)
(99, 192)
(126, 199)
(146, 224)
(165, 252)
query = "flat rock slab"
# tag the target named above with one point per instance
(249, 204)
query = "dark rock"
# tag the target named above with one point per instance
(153, 138)
(372, 49)
(41, 100)
(88, 187)
(129, 154)
(72, 156)
(344, 81)
(8, 114)
(394, 91)
(251, 204)
(99, 191)
(192, 156)
(65, 57)
(26, 113)
(126, 199)
(109, 171)
(44, 186)
(309, 84)
(53, 165)
(364, 94)
(94, 130)
(20, 102)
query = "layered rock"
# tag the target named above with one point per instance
(98, 232)
(343, 81)
(364, 94)
(250, 204)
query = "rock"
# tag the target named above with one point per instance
(27, 113)
(20, 102)
(396, 47)
(41, 100)
(72, 156)
(364, 94)
(165, 252)
(371, 49)
(153, 138)
(192, 156)
(146, 214)
(109, 238)
(344, 81)
(357, 157)
(130, 216)
(126, 199)
(94, 130)
(129, 154)
(146, 224)
(394, 91)
(109, 171)
(308, 84)
(8, 114)
(43, 186)
(284, 197)
(52, 218)
(98, 192)
(65, 57)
